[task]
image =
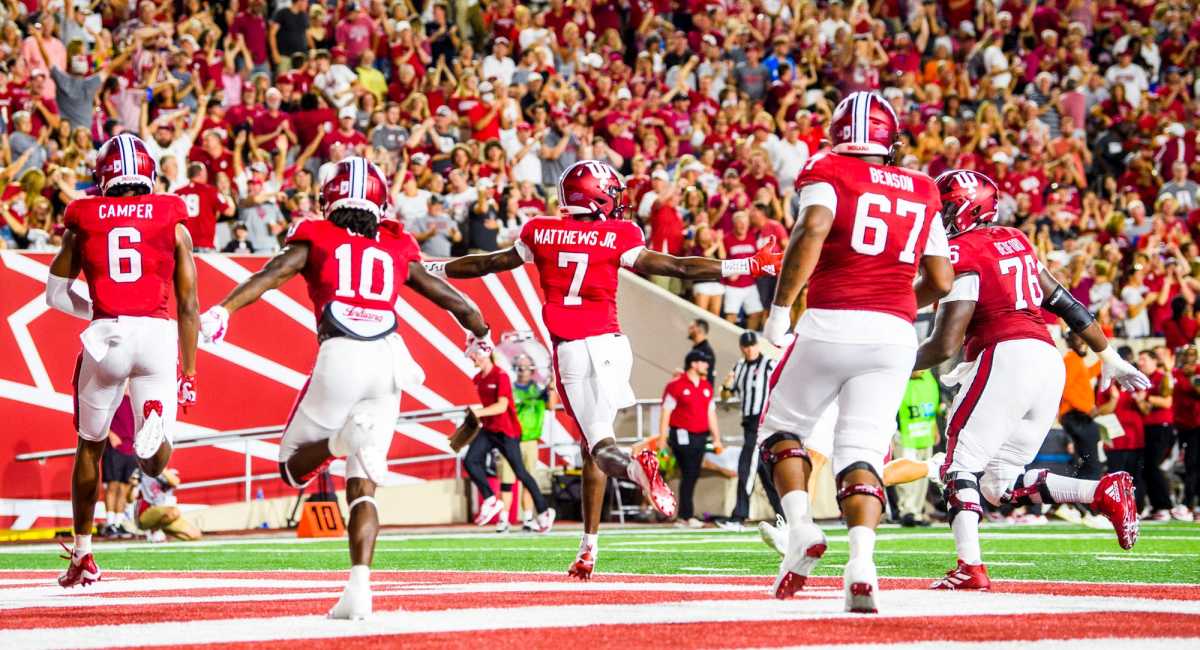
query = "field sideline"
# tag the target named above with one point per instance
(1054, 584)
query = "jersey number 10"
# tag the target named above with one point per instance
(371, 257)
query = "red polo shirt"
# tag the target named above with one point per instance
(692, 403)
(491, 386)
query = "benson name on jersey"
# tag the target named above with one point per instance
(892, 179)
(553, 237)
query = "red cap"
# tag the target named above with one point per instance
(524, 126)
(337, 51)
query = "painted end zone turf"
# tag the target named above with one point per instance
(533, 611)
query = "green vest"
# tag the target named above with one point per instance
(531, 410)
(918, 412)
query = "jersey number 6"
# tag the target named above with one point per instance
(119, 258)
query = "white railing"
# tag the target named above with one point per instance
(645, 417)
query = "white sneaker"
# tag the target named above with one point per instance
(156, 537)
(730, 525)
(488, 510)
(545, 520)
(1181, 513)
(695, 524)
(774, 536)
(805, 546)
(502, 526)
(354, 604)
(860, 584)
(150, 437)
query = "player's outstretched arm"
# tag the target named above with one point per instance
(1061, 303)
(949, 330)
(437, 291)
(474, 266)
(290, 261)
(187, 306)
(765, 262)
(799, 262)
(63, 270)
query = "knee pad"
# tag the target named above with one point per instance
(286, 474)
(962, 494)
(852, 489)
(1030, 488)
(769, 459)
(995, 488)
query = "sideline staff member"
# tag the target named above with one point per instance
(689, 415)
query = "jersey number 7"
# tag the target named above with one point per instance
(580, 260)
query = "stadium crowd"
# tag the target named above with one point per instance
(1084, 111)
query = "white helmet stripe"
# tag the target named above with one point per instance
(128, 155)
(857, 117)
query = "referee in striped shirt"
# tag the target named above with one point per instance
(750, 379)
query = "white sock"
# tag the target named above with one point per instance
(83, 545)
(966, 536)
(862, 542)
(795, 507)
(1065, 489)
(360, 576)
(589, 540)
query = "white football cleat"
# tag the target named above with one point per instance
(149, 438)
(502, 526)
(860, 585)
(805, 546)
(488, 510)
(545, 520)
(934, 465)
(354, 604)
(774, 536)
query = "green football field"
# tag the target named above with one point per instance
(1165, 553)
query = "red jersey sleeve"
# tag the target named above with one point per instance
(302, 231)
(816, 170)
(71, 215)
(963, 257)
(630, 237)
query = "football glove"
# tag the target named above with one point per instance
(186, 385)
(1114, 367)
(767, 260)
(214, 323)
(779, 323)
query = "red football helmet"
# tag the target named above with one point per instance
(864, 124)
(968, 200)
(125, 161)
(592, 188)
(357, 183)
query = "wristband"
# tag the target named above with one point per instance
(1109, 356)
(731, 268)
(436, 269)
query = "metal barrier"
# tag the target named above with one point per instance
(646, 414)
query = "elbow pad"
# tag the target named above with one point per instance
(1065, 306)
(60, 297)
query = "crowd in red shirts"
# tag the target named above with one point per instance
(1084, 111)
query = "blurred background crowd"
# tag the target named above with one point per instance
(1084, 111)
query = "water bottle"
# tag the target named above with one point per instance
(261, 507)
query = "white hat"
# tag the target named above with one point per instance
(694, 166)
(402, 25)
(623, 93)
(660, 175)
(485, 87)
(1175, 129)
(347, 111)
(951, 140)
(420, 158)
(1001, 158)
(967, 27)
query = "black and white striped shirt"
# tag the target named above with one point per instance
(751, 379)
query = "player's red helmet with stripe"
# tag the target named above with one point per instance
(968, 200)
(592, 188)
(124, 161)
(864, 124)
(355, 183)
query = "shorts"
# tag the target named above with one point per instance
(708, 289)
(1004, 408)
(739, 298)
(140, 350)
(117, 467)
(529, 457)
(593, 380)
(350, 377)
(866, 381)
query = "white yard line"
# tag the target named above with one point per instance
(820, 605)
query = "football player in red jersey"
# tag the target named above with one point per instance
(1012, 377)
(354, 265)
(578, 261)
(865, 228)
(132, 247)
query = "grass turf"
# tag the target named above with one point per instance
(1164, 553)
